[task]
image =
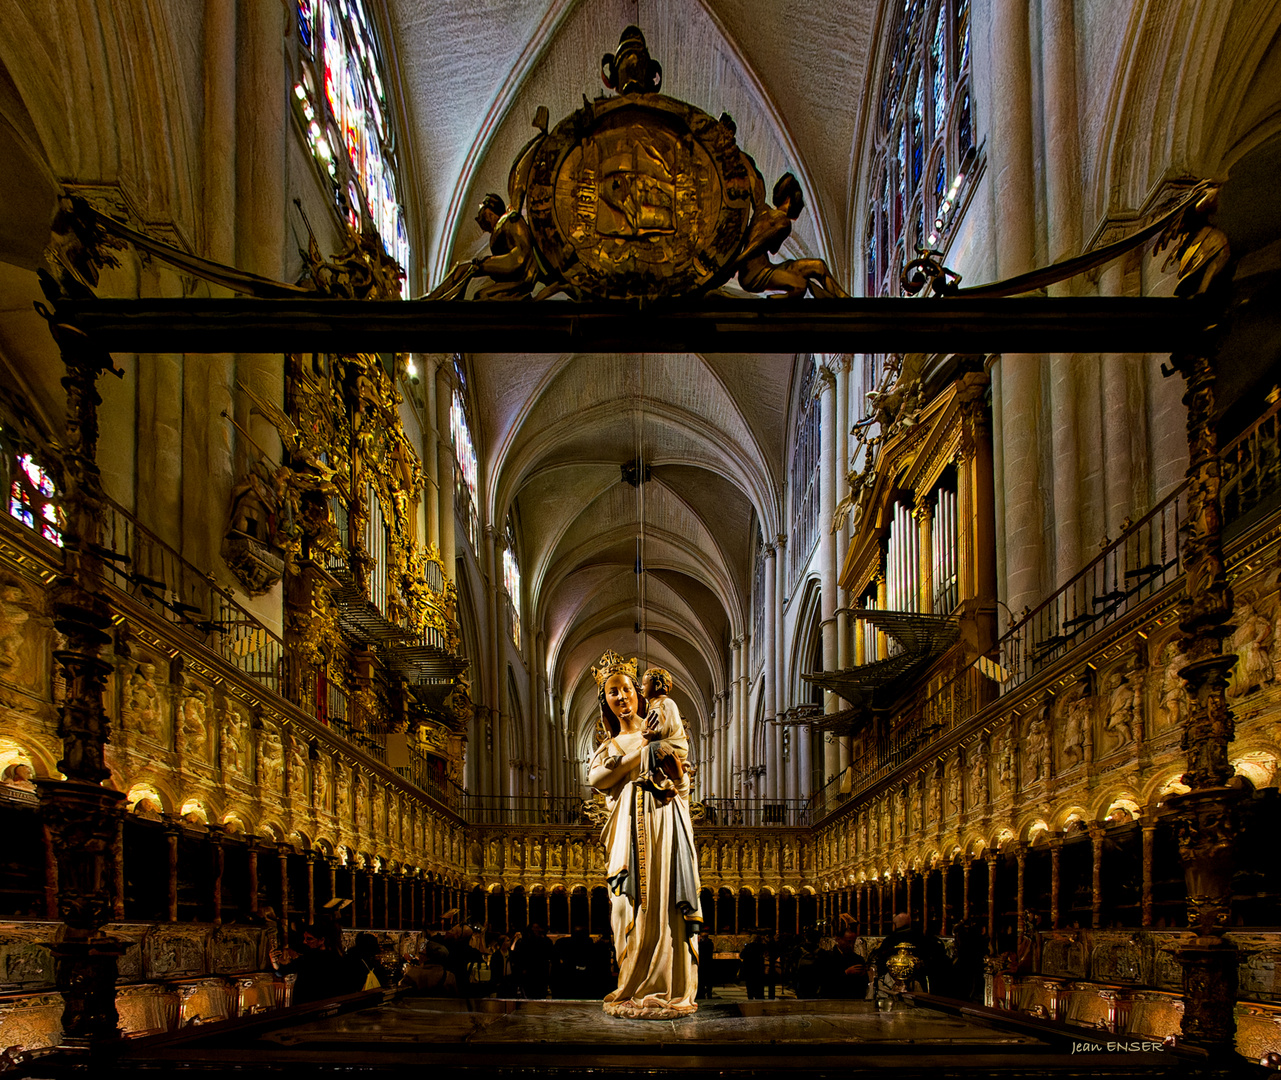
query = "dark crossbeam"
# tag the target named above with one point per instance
(1019, 324)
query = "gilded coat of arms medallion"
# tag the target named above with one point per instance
(640, 195)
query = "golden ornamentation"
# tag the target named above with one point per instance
(613, 664)
(638, 195)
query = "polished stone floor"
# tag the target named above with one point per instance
(579, 1023)
(487, 1039)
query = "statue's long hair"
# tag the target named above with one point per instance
(607, 714)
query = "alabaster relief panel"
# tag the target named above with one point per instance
(193, 714)
(236, 949)
(32, 1022)
(25, 962)
(175, 951)
(144, 704)
(148, 1007)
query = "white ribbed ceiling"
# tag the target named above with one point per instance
(553, 431)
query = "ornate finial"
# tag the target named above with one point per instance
(613, 664)
(631, 70)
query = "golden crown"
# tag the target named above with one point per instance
(666, 676)
(613, 664)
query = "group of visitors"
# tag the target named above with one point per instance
(323, 969)
(467, 962)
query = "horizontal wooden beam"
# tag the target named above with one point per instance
(716, 325)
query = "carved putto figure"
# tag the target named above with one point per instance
(143, 701)
(769, 229)
(511, 266)
(1251, 641)
(1121, 705)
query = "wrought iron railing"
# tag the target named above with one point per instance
(158, 577)
(155, 575)
(1144, 560)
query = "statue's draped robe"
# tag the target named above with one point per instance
(652, 871)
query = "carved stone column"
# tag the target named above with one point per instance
(172, 833)
(1205, 818)
(80, 814)
(310, 856)
(253, 875)
(966, 863)
(1149, 844)
(991, 896)
(1020, 860)
(1096, 878)
(118, 872)
(217, 859)
(282, 852)
(1056, 869)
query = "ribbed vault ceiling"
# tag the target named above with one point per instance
(553, 431)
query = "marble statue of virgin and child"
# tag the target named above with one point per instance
(652, 868)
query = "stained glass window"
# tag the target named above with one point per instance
(33, 499)
(925, 137)
(803, 476)
(340, 102)
(511, 580)
(467, 473)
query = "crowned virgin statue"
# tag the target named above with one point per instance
(652, 868)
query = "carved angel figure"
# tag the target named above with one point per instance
(954, 796)
(1121, 702)
(229, 740)
(321, 781)
(980, 791)
(511, 266)
(1076, 716)
(1035, 745)
(195, 735)
(342, 790)
(1174, 688)
(270, 760)
(297, 774)
(1250, 641)
(143, 701)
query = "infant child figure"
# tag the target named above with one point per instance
(666, 763)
